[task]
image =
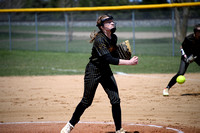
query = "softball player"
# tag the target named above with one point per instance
(98, 71)
(190, 51)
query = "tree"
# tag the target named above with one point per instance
(69, 3)
(181, 17)
(11, 4)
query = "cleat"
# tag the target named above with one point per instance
(67, 128)
(121, 131)
(166, 92)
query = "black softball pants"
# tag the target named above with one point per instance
(182, 69)
(91, 82)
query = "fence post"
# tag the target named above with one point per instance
(97, 15)
(36, 31)
(133, 22)
(173, 23)
(10, 35)
(66, 30)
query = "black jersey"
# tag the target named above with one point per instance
(192, 46)
(103, 46)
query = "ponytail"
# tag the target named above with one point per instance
(93, 36)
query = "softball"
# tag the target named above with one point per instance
(180, 79)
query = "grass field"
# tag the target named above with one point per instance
(60, 63)
(155, 55)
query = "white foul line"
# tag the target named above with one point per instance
(45, 122)
(147, 76)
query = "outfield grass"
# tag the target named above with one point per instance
(155, 55)
(19, 63)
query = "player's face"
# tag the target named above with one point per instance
(109, 24)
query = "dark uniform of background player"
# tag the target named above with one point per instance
(98, 71)
(190, 51)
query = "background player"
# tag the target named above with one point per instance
(98, 71)
(190, 51)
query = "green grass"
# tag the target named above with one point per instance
(154, 54)
(19, 63)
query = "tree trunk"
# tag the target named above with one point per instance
(68, 3)
(181, 17)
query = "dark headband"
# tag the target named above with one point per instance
(105, 19)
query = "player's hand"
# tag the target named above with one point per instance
(134, 60)
(190, 59)
(185, 56)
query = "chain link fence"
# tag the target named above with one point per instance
(150, 32)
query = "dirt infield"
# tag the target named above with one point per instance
(42, 104)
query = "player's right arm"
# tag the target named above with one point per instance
(132, 61)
